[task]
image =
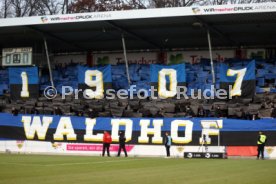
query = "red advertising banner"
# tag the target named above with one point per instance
(241, 150)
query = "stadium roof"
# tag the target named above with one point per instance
(250, 25)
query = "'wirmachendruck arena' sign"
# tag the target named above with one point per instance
(141, 14)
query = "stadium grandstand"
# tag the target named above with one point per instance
(122, 49)
(195, 84)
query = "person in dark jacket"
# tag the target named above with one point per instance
(57, 111)
(189, 112)
(106, 143)
(122, 144)
(273, 113)
(92, 113)
(34, 111)
(218, 112)
(200, 112)
(14, 111)
(168, 143)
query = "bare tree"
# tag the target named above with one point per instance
(65, 6)
(182, 3)
(104, 5)
(21, 8)
(172, 3)
(136, 4)
(249, 1)
(78, 6)
(5, 8)
(33, 7)
(50, 6)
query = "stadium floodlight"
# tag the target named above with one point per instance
(197, 24)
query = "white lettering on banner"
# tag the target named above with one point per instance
(116, 123)
(162, 89)
(94, 78)
(188, 131)
(155, 131)
(25, 92)
(36, 127)
(208, 130)
(236, 91)
(90, 123)
(65, 128)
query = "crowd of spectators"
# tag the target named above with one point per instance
(261, 106)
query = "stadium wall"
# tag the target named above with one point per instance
(95, 149)
(153, 57)
(170, 57)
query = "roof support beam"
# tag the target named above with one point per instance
(126, 61)
(218, 32)
(123, 30)
(48, 62)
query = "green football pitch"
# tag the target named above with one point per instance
(38, 169)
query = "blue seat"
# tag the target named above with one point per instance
(270, 76)
(190, 76)
(217, 85)
(260, 82)
(135, 77)
(202, 74)
(267, 66)
(209, 81)
(261, 72)
(207, 68)
(272, 90)
(201, 80)
(259, 90)
(117, 77)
